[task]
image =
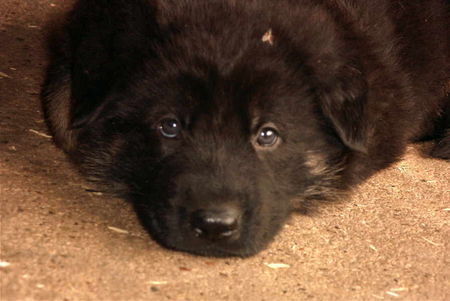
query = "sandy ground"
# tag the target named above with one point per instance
(58, 241)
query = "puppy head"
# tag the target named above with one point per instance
(212, 138)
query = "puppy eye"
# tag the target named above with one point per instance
(267, 137)
(169, 128)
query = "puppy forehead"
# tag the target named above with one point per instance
(245, 112)
(199, 91)
(213, 98)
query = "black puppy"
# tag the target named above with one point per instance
(213, 115)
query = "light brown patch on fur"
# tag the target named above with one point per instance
(316, 163)
(327, 175)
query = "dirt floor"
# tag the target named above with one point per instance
(61, 241)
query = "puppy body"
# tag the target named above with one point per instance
(340, 86)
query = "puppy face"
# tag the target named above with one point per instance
(212, 160)
(211, 124)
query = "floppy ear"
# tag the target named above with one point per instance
(109, 41)
(343, 102)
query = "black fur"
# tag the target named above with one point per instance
(346, 85)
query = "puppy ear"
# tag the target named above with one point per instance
(343, 102)
(86, 112)
(109, 42)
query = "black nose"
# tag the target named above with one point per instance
(214, 225)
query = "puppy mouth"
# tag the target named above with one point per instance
(185, 239)
(231, 234)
